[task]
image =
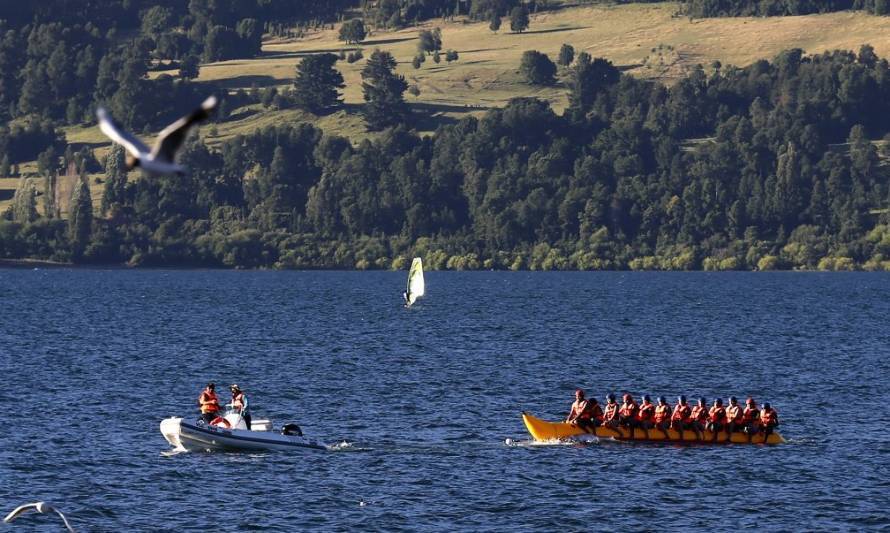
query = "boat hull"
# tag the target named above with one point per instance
(201, 437)
(543, 430)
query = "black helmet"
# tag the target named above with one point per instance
(610, 397)
(662, 399)
(682, 398)
(702, 400)
(646, 398)
(718, 401)
(211, 385)
(732, 399)
(766, 405)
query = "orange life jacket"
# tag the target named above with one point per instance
(769, 417)
(699, 413)
(611, 412)
(596, 412)
(629, 410)
(662, 413)
(749, 415)
(717, 414)
(209, 402)
(733, 413)
(681, 413)
(647, 411)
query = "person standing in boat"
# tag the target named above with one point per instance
(209, 403)
(240, 404)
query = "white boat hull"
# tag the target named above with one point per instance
(201, 437)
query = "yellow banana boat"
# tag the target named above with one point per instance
(543, 430)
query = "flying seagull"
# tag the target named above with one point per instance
(40, 507)
(161, 158)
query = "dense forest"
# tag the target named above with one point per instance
(772, 8)
(775, 165)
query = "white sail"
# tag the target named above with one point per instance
(416, 286)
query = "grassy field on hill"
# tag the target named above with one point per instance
(647, 40)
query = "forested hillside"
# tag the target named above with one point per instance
(779, 164)
(773, 8)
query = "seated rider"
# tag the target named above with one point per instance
(662, 418)
(645, 415)
(699, 417)
(769, 419)
(716, 418)
(580, 415)
(627, 415)
(733, 417)
(209, 403)
(682, 418)
(240, 404)
(610, 413)
(750, 419)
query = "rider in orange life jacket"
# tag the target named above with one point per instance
(733, 417)
(610, 413)
(716, 418)
(662, 416)
(682, 417)
(580, 415)
(209, 403)
(769, 419)
(645, 415)
(751, 419)
(627, 415)
(699, 417)
(240, 404)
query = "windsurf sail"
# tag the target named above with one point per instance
(415, 282)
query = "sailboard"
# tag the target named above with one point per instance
(415, 282)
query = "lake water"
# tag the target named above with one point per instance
(425, 398)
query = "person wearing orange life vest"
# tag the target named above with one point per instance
(733, 417)
(682, 417)
(662, 418)
(610, 413)
(699, 417)
(645, 415)
(240, 404)
(716, 418)
(627, 415)
(209, 403)
(750, 419)
(580, 415)
(769, 419)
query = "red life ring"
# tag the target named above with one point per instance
(220, 421)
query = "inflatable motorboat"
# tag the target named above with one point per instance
(230, 433)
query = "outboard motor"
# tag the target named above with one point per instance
(292, 430)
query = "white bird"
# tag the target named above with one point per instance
(161, 158)
(40, 507)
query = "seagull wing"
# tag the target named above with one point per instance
(19, 510)
(133, 145)
(67, 525)
(171, 137)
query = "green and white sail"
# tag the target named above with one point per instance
(415, 282)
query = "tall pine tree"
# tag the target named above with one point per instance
(383, 90)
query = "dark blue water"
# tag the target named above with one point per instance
(91, 362)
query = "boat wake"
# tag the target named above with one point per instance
(530, 443)
(346, 446)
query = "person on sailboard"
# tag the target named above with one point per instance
(209, 403)
(240, 404)
(580, 415)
